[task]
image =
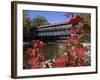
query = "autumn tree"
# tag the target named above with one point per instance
(39, 21)
(84, 26)
(26, 21)
(26, 25)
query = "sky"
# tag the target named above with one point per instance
(51, 17)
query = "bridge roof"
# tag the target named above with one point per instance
(53, 25)
(72, 22)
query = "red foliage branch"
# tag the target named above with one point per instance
(37, 57)
(76, 55)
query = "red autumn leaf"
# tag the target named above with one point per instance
(74, 39)
(40, 57)
(60, 62)
(75, 20)
(73, 31)
(35, 63)
(85, 49)
(28, 51)
(70, 60)
(38, 43)
(81, 53)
